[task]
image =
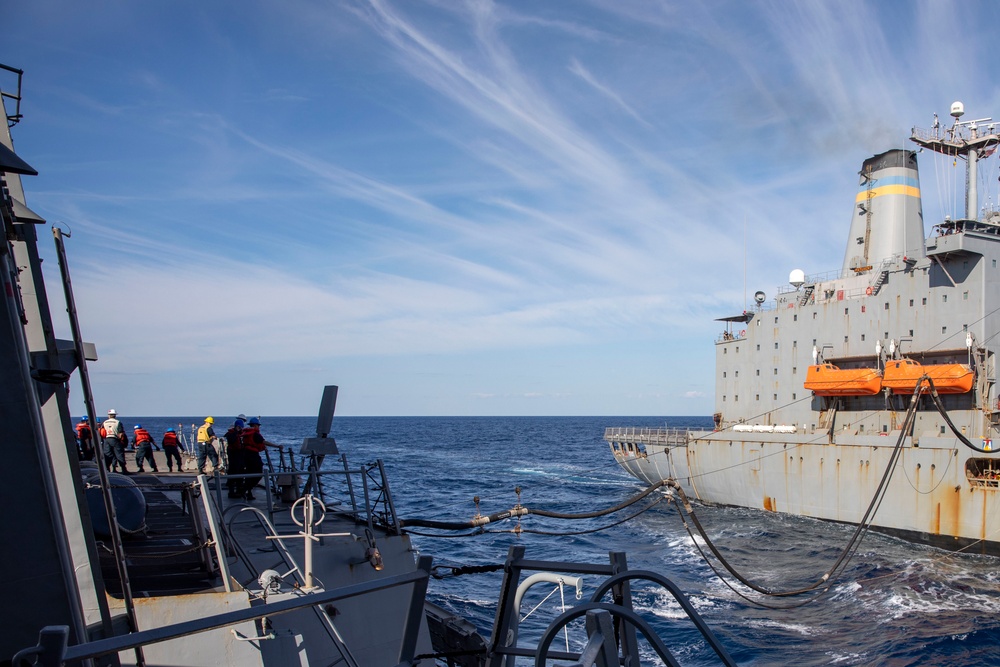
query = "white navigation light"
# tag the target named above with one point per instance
(815, 354)
(957, 109)
(892, 347)
(968, 339)
(878, 348)
(797, 278)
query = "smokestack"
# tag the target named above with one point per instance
(887, 218)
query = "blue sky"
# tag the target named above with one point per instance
(457, 208)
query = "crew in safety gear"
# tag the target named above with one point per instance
(234, 453)
(206, 445)
(171, 448)
(114, 442)
(253, 445)
(85, 439)
(143, 443)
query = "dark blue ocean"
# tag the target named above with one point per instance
(897, 604)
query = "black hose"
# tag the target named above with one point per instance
(521, 511)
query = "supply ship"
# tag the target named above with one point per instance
(866, 395)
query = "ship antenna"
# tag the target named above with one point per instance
(744, 262)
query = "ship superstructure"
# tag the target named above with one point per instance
(814, 389)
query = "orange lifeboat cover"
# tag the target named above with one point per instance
(829, 380)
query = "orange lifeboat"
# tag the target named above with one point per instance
(829, 380)
(902, 376)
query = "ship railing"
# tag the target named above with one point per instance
(608, 634)
(53, 649)
(670, 437)
(828, 276)
(366, 497)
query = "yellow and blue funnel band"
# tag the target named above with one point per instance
(890, 185)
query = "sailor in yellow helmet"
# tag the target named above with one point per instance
(206, 446)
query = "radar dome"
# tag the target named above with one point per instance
(957, 109)
(797, 277)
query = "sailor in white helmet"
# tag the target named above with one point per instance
(114, 442)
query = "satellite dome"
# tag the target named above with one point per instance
(957, 109)
(797, 277)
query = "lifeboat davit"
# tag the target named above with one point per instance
(829, 380)
(902, 376)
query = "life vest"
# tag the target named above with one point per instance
(234, 439)
(170, 439)
(83, 431)
(142, 435)
(112, 428)
(203, 435)
(253, 441)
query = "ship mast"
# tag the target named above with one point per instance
(965, 139)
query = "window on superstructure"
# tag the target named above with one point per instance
(944, 298)
(723, 398)
(758, 372)
(775, 320)
(775, 397)
(911, 303)
(776, 345)
(994, 264)
(756, 397)
(942, 430)
(845, 339)
(793, 397)
(923, 302)
(723, 373)
(814, 315)
(775, 371)
(886, 305)
(795, 344)
(846, 311)
(944, 330)
(795, 318)
(862, 337)
(965, 296)
(736, 398)
(794, 370)
(736, 374)
(758, 347)
(911, 332)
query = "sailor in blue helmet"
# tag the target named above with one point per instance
(171, 449)
(85, 439)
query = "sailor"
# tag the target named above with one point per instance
(85, 439)
(253, 444)
(170, 448)
(143, 443)
(234, 451)
(206, 445)
(114, 442)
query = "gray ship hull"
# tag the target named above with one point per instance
(929, 497)
(814, 406)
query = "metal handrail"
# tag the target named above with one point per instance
(50, 654)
